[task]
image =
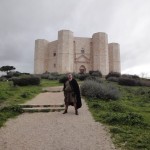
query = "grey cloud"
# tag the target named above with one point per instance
(23, 21)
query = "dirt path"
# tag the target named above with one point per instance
(55, 131)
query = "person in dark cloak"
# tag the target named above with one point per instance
(72, 94)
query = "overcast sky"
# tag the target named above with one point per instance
(126, 22)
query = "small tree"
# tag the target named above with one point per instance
(7, 68)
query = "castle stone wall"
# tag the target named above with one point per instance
(65, 57)
(82, 51)
(100, 52)
(40, 56)
(77, 54)
(114, 57)
(52, 49)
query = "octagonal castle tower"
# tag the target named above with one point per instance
(77, 54)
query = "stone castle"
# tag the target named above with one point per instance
(77, 54)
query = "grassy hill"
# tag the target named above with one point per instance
(128, 117)
(125, 110)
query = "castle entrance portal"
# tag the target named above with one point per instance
(82, 69)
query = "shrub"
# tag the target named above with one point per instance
(14, 74)
(52, 77)
(90, 88)
(113, 74)
(95, 73)
(26, 81)
(135, 77)
(111, 92)
(130, 76)
(144, 83)
(45, 75)
(91, 78)
(62, 79)
(82, 77)
(97, 79)
(127, 81)
(113, 79)
(133, 80)
(54, 74)
(7, 76)
(2, 78)
(94, 89)
(76, 75)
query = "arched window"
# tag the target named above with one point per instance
(82, 50)
(82, 69)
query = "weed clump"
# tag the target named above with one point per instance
(117, 107)
(132, 119)
(25, 95)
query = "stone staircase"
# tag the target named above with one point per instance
(42, 108)
(51, 100)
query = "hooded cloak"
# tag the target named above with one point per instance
(75, 87)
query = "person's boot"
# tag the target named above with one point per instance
(65, 111)
(76, 112)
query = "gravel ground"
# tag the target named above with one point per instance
(55, 131)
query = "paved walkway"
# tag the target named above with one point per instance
(48, 98)
(54, 130)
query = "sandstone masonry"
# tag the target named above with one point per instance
(76, 54)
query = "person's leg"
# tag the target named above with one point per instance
(66, 102)
(76, 110)
(66, 108)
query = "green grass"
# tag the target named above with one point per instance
(128, 118)
(11, 96)
(46, 83)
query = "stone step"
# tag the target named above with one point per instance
(43, 109)
(35, 105)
